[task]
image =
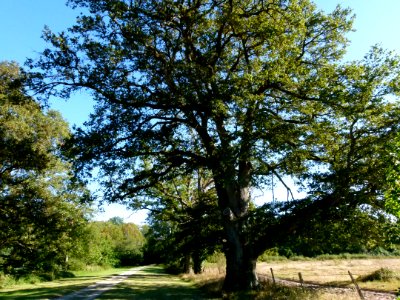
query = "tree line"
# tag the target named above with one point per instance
(198, 103)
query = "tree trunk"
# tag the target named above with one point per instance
(186, 264)
(240, 262)
(197, 262)
(233, 200)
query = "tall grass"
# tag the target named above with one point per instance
(9, 281)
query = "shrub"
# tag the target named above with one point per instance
(173, 267)
(76, 264)
(382, 274)
(264, 258)
(379, 251)
(216, 258)
(6, 280)
(287, 252)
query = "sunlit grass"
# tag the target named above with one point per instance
(57, 288)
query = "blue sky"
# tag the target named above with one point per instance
(22, 21)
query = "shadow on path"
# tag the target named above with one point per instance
(153, 283)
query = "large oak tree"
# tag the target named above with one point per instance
(245, 89)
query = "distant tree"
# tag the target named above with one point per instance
(130, 247)
(183, 222)
(109, 244)
(117, 220)
(41, 205)
(259, 84)
(359, 231)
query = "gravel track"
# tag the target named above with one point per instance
(93, 291)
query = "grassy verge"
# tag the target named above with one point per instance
(57, 288)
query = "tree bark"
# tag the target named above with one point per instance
(233, 200)
(197, 262)
(186, 264)
(240, 262)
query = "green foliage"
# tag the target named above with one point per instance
(116, 220)
(275, 254)
(216, 258)
(392, 193)
(6, 280)
(41, 205)
(360, 231)
(108, 244)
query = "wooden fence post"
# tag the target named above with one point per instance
(357, 287)
(301, 279)
(273, 277)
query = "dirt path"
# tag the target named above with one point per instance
(95, 290)
(147, 282)
(152, 282)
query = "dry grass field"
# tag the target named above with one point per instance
(332, 273)
(335, 272)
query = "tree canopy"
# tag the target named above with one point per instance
(244, 89)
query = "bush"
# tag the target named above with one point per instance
(130, 258)
(287, 252)
(174, 268)
(76, 265)
(382, 274)
(269, 254)
(379, 251)
(216, 258)
(6, 280)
